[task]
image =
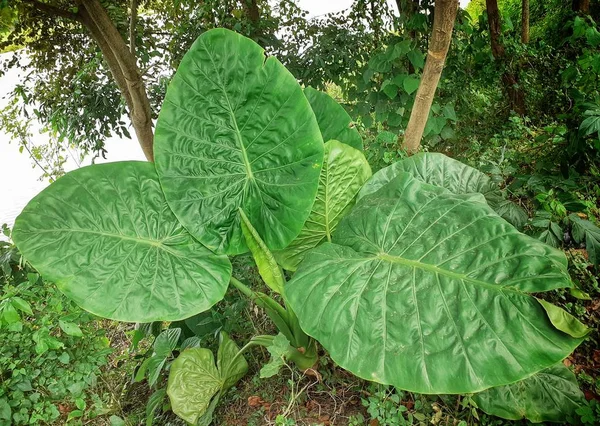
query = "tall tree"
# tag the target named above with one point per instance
(439, 43)
(510, 79)
(525, 22)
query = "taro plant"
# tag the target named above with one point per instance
(419, 284)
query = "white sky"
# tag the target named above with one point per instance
(19, 181)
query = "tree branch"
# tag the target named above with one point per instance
(132, 24)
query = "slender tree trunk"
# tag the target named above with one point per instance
(582, 6)
(525, 22)
(443, 24)
(510, 79)
(121, 63)
(132, 24)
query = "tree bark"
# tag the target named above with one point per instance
(510, 79)
(132, 24)
(140, 111)
(443, 24)
(582, 6)
(525, 22)
(121, 63)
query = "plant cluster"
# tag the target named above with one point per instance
(408, 277)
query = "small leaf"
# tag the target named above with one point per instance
(166, 342)
(193, 381)
(64, 358)
(579, 294)
(70, 328)
(564, 321)
(155, 366)
(411, 84)
(10, 314)
(21, 305)
(155, 400)
(278, 349)
(416, 58)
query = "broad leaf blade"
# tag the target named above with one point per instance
(552, 395)
(193, 381)
(427, 291)
(344, 171)
(334, 122)
(235, 130)
(106, 236)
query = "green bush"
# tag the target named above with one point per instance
(51, 351)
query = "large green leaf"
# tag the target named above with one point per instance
(552, 395)
(428, 291)
(344, 171)
(106, 236)
(235, 130)
(334, 122)
(458, 178)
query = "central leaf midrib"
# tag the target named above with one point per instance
(444, 272)
(156, 243)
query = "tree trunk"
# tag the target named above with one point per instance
(525, 22)
(140, 111)
(510, 79)
(443, 24)
(121, 63)
(582, 6)
(132, 24)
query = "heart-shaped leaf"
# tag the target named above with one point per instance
(193, 381)
(334, 122)
(235, 130)
(344, 171)
(106, 236)
(428, 291)
(552, 395)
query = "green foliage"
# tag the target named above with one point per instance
(51, 351)
(240, 165)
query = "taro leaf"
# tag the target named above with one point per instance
(552, 395)
(344, 171)
(584, 229)
(106, 236)
(458, 178)
(267, 266)
(334, 121)
(193, 381)
(235, 130)
(427, 291)
(231, 367)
